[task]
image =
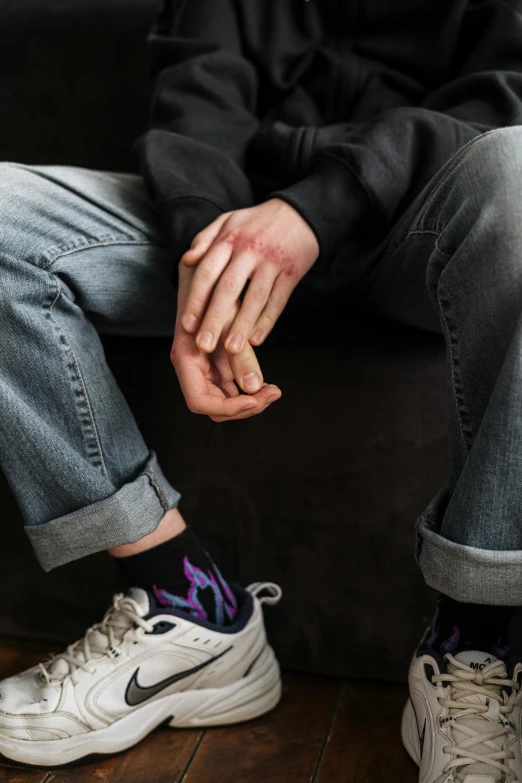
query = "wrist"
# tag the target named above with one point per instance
(303, 227)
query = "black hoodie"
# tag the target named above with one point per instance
(343, 108)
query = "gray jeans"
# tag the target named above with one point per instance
(81, 255)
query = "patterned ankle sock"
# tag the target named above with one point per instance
(182, 575)
(457, 627)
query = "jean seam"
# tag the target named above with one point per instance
(155, 485)
(418, 539)
(97, 243)
(452, 343)
(75, 367)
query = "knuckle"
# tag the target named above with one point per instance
(211, 323)
(195, 305)
(259, 294)
(278, 301)
(205, 273)
(230, 235)
(241, 324)
(266, 319)
(229, 283)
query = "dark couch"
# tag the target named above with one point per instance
(322, 491)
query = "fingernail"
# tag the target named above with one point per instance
(257, 335)
(189, 322)
(271, 400)
(236, 343)
(205, 340)
(251, 381)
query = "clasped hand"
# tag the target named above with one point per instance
(271, 246)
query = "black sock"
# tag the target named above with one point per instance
(182, 575)
(457, 627)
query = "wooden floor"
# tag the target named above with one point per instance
(324, 731)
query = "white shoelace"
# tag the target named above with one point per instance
(98, 640)
(494, 706)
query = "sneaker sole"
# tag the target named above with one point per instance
(248, 698)
(409, 735)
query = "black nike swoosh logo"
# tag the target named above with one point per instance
(135, 693)
(422, 738)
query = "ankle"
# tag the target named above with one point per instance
(170, 526)
(457, 627)
(180, 574)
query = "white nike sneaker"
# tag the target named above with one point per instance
(461, 723)
(141, 666)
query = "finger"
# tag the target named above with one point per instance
(202, 241)
(204, 279)
(223, 408)
(254, 301)
(230, 388)
(226, 293)
(193, 380)
(243, 367)
(246, 370)
(195, 390)
(193, 376)
(219, 360)
(265, 397)
(277, 302)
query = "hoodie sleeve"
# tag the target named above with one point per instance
(360, 182)
(202, 116)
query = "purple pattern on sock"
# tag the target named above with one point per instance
(225, 602)
(451, 644)
(500, 650)
(229, 595)
(434, 633)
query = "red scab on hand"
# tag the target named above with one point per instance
(273, 254)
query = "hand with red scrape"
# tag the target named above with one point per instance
(271, 246)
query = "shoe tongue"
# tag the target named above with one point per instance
(477, 661)
(141, 598)
(98, 641)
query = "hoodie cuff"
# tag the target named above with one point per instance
(332, 202)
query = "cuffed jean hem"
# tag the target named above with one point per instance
(128, 515)
(466, 573)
